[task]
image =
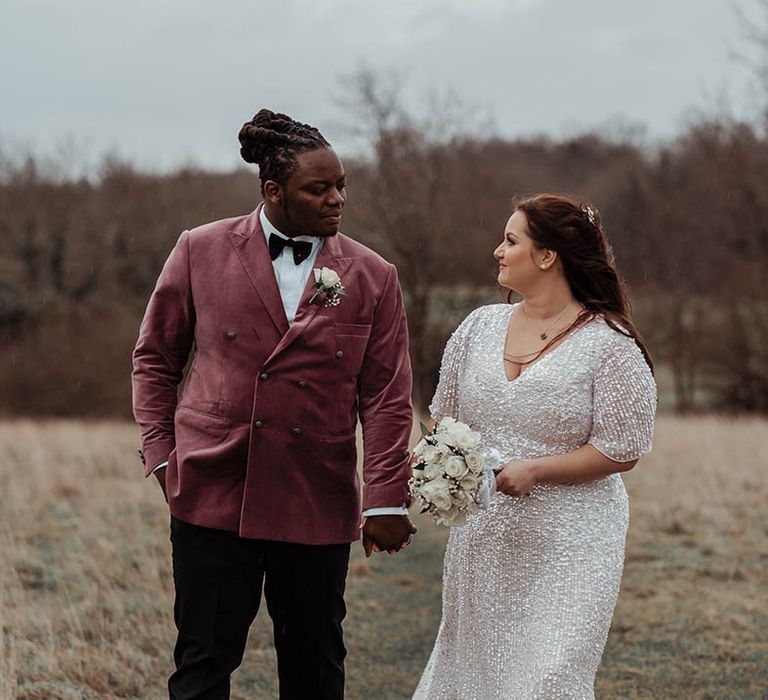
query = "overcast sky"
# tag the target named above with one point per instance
(166, 82)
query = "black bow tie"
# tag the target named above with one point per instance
(301, 249)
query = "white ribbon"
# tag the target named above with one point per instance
(491, 461)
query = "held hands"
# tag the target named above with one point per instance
(386, 533)
(516, 478)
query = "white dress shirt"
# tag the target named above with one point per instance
(291, 280)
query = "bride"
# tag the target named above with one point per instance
(561, 384)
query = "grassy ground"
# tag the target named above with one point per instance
(85, 590)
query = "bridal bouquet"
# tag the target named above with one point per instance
(453, 476)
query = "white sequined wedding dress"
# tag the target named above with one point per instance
(529, 585)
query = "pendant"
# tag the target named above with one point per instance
(543, 335)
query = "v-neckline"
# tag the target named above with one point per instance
(564, 341)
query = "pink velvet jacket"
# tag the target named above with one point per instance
(260, 439)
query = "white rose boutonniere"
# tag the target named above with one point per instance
(328, 286)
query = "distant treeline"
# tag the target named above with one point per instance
(688, 223)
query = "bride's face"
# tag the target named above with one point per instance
(519, 259)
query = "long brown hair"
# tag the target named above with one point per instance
(574, 230)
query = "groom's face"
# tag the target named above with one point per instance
(310, 202)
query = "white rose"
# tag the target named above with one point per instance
(450, 433)
(428, 489)
(461, 498)
(459, 435)
(455, 467)
(470, 476)
(467, 440)
(441, 450)
(474, 461)
(445, 423)
(433, 470)
(436, 492)
(431, 454)
(328, 277)
(442, 501)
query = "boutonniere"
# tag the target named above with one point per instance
(328, 285)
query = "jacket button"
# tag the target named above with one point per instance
(258, 424)
(296, 431)
(264, 376)
(339, 353)
(301, 384)
(231, 335)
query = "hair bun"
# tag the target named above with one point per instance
(259, 137)
(272, 140)
(268, 131)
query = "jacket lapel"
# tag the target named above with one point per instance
(251, 247)
(329, 256)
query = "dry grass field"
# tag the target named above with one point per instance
(85, 591)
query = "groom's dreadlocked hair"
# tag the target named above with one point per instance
(273, 140)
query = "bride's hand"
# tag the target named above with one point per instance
(516, 478)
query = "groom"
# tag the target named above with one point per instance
(256, 452)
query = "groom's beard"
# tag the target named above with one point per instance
(318, 232)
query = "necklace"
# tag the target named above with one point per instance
(543, 334)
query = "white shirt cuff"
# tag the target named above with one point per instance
(160, 466)
(385, 511)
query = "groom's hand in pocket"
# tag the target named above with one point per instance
(386, 533)
(160, 475)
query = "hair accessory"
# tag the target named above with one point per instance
(590, 212)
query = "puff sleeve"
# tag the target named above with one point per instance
(624, 402)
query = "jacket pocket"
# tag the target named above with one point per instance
(351, 340)
(356, 329)
(203, 438)
(207, 415)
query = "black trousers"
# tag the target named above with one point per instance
(218, 577)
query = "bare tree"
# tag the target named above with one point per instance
(410, 206)
(689, 225)
(754, 30)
